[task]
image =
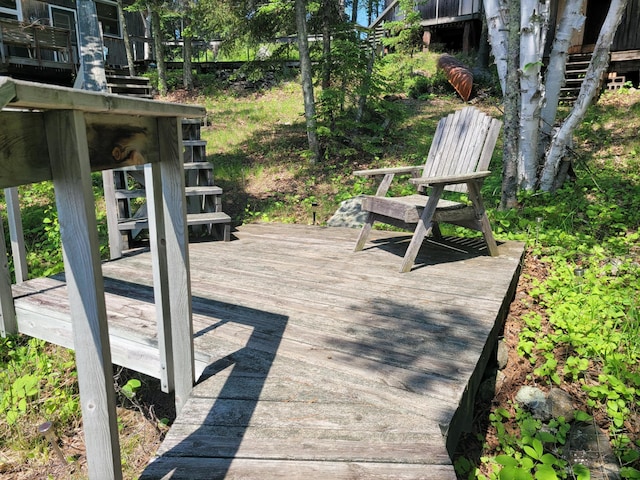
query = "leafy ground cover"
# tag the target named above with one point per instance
(574, 323)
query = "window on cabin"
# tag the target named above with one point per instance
(108, 18)
(9, 9)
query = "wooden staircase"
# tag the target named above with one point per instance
(577, 64)
(204, 198)
(127, 85)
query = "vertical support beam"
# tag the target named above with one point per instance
(16, 234)
(70, 168)
(8, 323)
(179, 282)
(158, 244)
(111, 205)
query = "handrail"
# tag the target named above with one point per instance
(43, 45)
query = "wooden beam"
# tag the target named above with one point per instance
(161, 274)
(114, 141)
(21, 94)
(179, 283)
(69, 155)
(16, 234)
(8, 324)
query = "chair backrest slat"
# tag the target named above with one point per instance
(463, 143)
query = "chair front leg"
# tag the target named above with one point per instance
(383, 188)
(422, 229)
(481, 217)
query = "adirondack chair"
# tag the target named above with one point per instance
(458, 160)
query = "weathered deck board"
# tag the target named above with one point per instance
(318, 362)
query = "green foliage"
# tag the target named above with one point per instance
(533, 452)
(34, 387)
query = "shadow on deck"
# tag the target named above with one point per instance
(316, 362)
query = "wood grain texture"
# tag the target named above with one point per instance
(316, 361)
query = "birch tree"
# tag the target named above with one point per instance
(536, 152)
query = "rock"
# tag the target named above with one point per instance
(349, 214)
(535, 401)
(589, 445)
(502, 354)
(561, 404)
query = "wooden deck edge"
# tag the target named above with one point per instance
(127, 349)
(463, 417)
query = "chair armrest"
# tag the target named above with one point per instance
(384, 171)
(450, 180)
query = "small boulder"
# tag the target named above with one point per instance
(561, 404)
(535, 401)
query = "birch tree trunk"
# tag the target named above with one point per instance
(534, 21)
(187, 37)
(549, 180)
(572, 19)
(307, 80)
(497, 12)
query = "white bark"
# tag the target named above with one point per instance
(590, 87)
(572, 19)
(534, 21)
(496, 12)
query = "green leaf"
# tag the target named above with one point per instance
(629, 472)
(581, 416)
(581, 472)
(545, 472)
(506, 461)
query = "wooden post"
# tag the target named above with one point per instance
(8, 324)
(16, 234)
(111, 205)
(158, 244)
(70, 168)
(179, 283)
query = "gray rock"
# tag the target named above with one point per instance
(589, 445)
(502, 354)
(349, 214)
(561, 404)
(535, 401)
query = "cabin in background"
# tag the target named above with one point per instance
(39, 40)
(456, 26)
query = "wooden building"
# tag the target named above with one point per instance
(39, 39)
(456, 25)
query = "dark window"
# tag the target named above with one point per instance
(108, 18)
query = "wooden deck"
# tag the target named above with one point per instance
(318, 362)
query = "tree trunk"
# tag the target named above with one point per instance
(187, 68)
(326, 44)
(534, 21)
(572, 19)
(126, 39)
(354, 11)
(307, 80)
(496, 12)
(159, 51)
(549, 180)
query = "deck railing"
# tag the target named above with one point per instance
(36, 45)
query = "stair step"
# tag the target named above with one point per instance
(194, 143)
(203, 190)
(188, 191)
(209, 218)
(198, 166)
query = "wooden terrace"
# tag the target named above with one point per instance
(313, 361)
(290, 355)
